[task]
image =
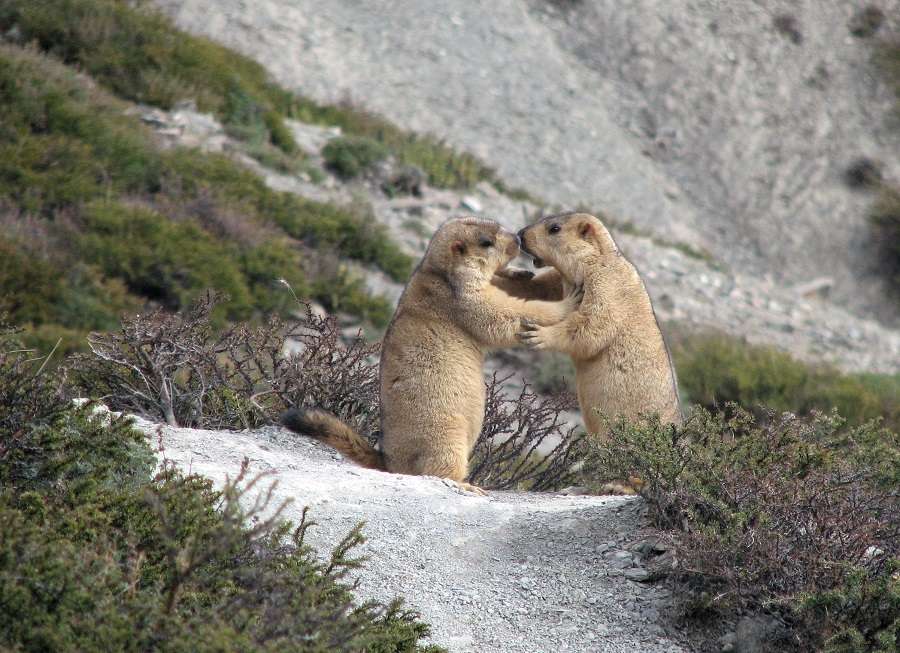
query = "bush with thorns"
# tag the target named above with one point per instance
(796, 516)
(178, 369)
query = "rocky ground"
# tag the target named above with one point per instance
(496, 574)
(727, 125)
(701, 290)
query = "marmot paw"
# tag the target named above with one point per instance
(532, 335)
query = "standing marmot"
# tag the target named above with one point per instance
(432, 382)
(622, 365)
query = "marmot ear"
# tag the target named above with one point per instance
(458, 247)
(586, 229)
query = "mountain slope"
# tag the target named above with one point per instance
(700, 121)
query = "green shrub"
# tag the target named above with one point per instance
(62, 141)
(38, 291)
(714, 369)
(28, 287)
(350, 231)
(265, 266)
(885, 220)
(351, 156)
(795, 516)
(97, 553)
(140, 56)
(166, 261)
(65, 145)
(445, 167)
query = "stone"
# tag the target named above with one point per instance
(727, 642)
(758, 634)
(471, 203)
(637, 574)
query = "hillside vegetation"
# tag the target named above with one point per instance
(715, 369)
(97, 218)
(141, 56)
(100, 553)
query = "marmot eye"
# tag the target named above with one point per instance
(486, 242)
(554, 228)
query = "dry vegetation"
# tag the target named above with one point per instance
(795, 517)
(181, 370)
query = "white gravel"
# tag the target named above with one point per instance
(512, 571)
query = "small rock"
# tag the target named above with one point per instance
(864, 173)
(408, 180)
(872, 552)
(727, 642)
(758, 634)
(471, 203)
(637, 574)
(788, 26)
(866, 22)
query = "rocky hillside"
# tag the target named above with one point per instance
(688, 286)
(726, 126)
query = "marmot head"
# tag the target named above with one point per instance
(470, 250)
(565, 240)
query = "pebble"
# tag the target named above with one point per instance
(471, 203)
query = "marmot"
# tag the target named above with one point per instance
(622, 364)
(432, 381)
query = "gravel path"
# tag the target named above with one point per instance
(503, 573)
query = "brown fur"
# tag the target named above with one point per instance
(333, 432)
(432, 382)
(622, 365)
(546, 284)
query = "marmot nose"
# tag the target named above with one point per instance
(520, 235)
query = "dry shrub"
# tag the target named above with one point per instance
(507, 453)
(797, 516)
(178, 369)
(225, 221)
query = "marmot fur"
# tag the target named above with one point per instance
(622, 364)
(432, 380)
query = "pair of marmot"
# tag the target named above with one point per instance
(463, 300)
